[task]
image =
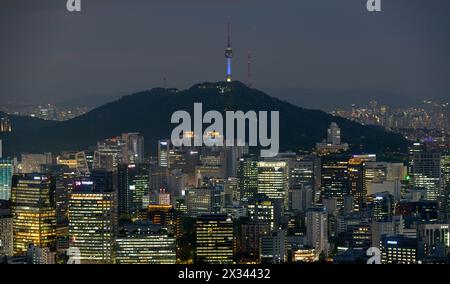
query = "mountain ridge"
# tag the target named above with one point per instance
(149, 112)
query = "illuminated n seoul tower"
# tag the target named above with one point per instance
(229, 54)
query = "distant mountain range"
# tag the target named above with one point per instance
(149, 112)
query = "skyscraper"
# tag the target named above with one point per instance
(133, 184)
(356, 182)
(273, 247)
(273, 180)
(317, 229)
(6, 234)
(248, 177)
(133, 148)
(6, 171)
(214, 239)
(92, 219)
(334, 181)
(229, 54)
(109, 154)
(426, 171)
(33, 209)
(163, 153)
(262, 210)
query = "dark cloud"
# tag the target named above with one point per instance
(116, 46)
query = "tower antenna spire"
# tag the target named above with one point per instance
(228, 54)
(229, 35)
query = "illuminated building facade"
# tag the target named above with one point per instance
(133, 184)
(399, 250)
(133, 148)
(5, 124)
(262, 210)
(31, 163)
(248, 177)
(163, 153)
(6, 235)
(138, 244)
(304, 255)
(435, 237)
(356, 182)
(214, 239)
(317, 229)
(205, 200)
(109, 154)
(92, 220)
(334, 179)
(6, 171)
(273, 247)
(425, 170)
(34, 214)
(273, 180)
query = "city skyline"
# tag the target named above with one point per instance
(212, 155)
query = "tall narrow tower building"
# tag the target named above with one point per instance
(229, 54)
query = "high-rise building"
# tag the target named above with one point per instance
(139, 243)
(273, 180)
(31, 163)
(6, 234)
(356, 182)
(375, 172)
(64, 177)
(399, 250)
(251, 233)
(305, 171)
(425, 166)
(109, 154)
(445, 167)
(248, 177)
(262, 210)
(273, 247)
(205, 200)
(435, 238)
(334, 134)
(301, 198)
(92, 218)
(40, 255)
(6, 171)
(317, 229)
(133, 184)
(133, 148)
(334, 182)
(33, 209)
(382, 205)
(74, 160)
(214, 239)
(163, 153)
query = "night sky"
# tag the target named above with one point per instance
(116, 47)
